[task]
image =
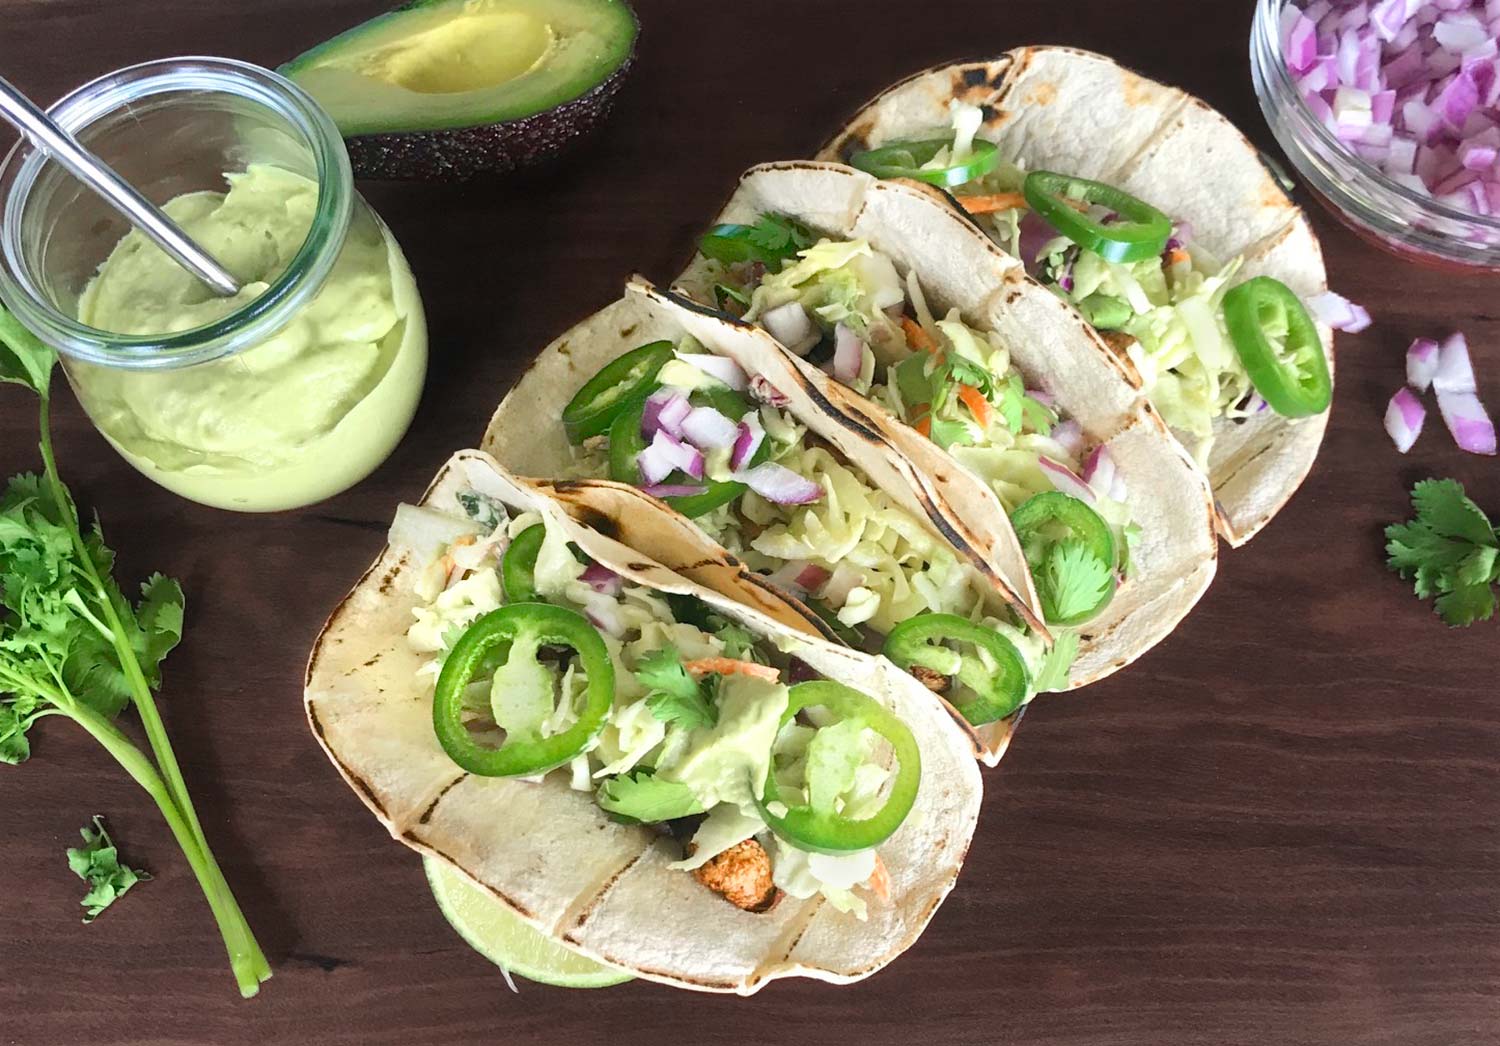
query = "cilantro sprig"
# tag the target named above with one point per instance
(780, 236)
(675, 696)
(1450, 552)
(97, 863)
(72, 645)
(644, 797)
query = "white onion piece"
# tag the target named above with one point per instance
(673, 490)
(1421, 363)
(844, 579)
(747, 442)
(1067, 481)
(848, 354)
(780, 485)
(428, 531)
(721, 367)
(1468, 421)
(603, 613)
(1455, 370)
(1403, 419)
(792, 326)
(1338, 312)
(709, 429)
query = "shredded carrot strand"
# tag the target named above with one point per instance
(916, 337)
(726, 666)
(1000, 201)
(1177, 255)
(879, 882)
(977, 404)
(923, 424)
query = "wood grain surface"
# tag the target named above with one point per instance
(1278, 828)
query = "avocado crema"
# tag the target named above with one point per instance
(666, 710)
(447, 88)
(288, 421)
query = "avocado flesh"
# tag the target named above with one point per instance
(448, 88)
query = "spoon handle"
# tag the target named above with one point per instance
(46, 135)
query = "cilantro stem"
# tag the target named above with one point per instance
(165, 785)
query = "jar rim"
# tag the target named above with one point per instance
(1267, 33)
(253, 322)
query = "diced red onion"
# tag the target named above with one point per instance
(780, 485)
(1068, 435)
(1100, 473)
(1421, 363)
(1338, 312)
(665, 409)
(603, 613)
(1035, 234)
(848, 354)
(800, 575)
(792, 326)
(763, 391)
(1455, 370)
(720, 367)
(673, 490)
(709, 429)
(1066, 480)
(1410, 86)
(1468, 421)
(1403, 419)
(601, 579)
(664, 455)
(747, 442)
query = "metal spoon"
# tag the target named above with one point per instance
(93, 172)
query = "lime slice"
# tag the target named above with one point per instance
(507, 940)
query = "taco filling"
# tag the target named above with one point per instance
(667, 713)
(841, 305)
(717, 445)
(1205, 348)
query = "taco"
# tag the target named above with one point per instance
(711, 415)
(689, 787)
(1154, 216)
(896, 308)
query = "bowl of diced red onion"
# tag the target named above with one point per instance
(1390, 109)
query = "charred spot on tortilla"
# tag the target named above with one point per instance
(628, 331)
(374, 660)
(600, 894)
(639, 568)
(432, 806)
(854, 425)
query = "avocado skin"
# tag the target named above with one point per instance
(461, 153)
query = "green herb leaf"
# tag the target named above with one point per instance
(675, 697)
(1449, 551)
(1075, 579)
(738, 642)
(947, 433)
(643, 797)
(780, 235)
(24, 360)
(1053, 675)
(98, 864)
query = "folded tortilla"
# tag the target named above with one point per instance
(550, 853)
(1059, 109)
(922, 231)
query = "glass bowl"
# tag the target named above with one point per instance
(1400, 220)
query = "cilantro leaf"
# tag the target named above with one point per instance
(1073, 580)
(779, 235)
(15, 719)
(159, 619)
(738, 642)
(97, 863)
(1450, 551)
(1053, 674)
(644, 797)
(1466, 604)
(24, 360)
(675, 696)
(947, 433)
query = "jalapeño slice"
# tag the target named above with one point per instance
(1140, 232)
(620, 384)
(1278, 343)
(996, 692)
(905, 159)
(1051, 518)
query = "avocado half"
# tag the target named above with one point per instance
(447, 89)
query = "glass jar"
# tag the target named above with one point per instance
(284, 395)
(1398, 219)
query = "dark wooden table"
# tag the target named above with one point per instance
(1278, 828)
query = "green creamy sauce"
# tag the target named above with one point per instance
(273, 406)
(728, 762)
